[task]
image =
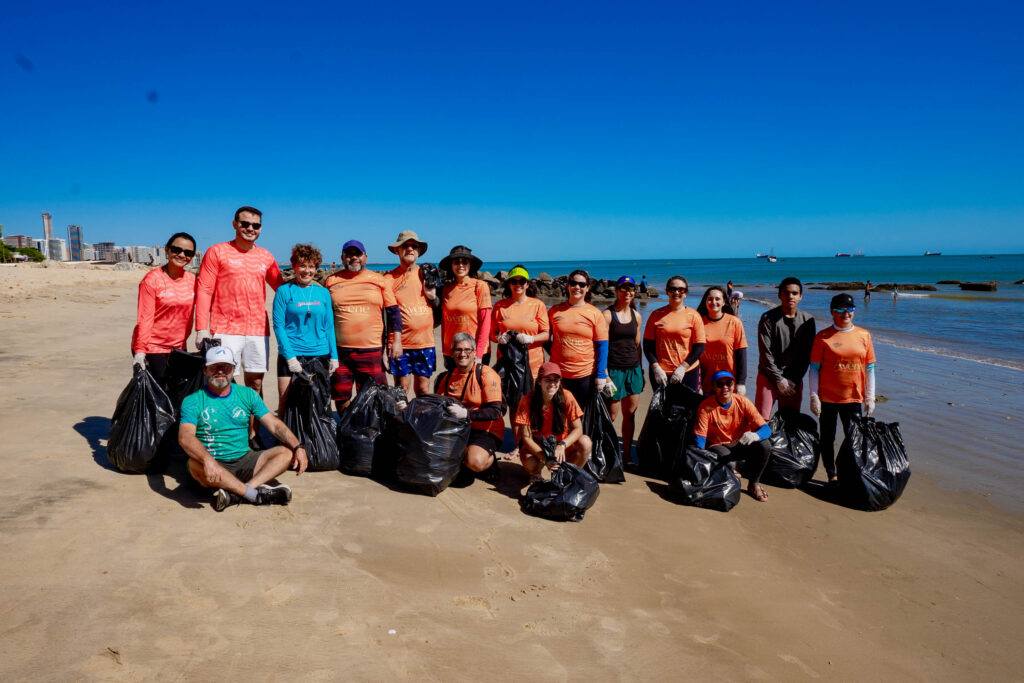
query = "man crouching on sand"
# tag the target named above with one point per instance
(214, 432)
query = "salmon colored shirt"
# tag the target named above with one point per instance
(726, 425)
(231, 292)
(359, 300)
(674, 333)
(574, 329)
(165, 312)
(460, 310)
(417, 314)
(473, 396)
(723, 336)
(844, 357)
(529, 317)
(572, 413)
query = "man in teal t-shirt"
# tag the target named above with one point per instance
(214, 432)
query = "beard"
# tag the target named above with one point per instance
(219, 382)
(354, 267)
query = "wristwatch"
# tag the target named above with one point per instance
(298, 446)
(560, 443)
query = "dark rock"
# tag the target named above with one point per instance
(978, 286)
(544, 277)
(948, 282)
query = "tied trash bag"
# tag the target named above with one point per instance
(872, 464)
(431, 443)
(795, 449)
(143, 415)
(184, 374)
(605, 461)
(567, 496)
(431, 277)
(514, 369)
(667, 428)
(308, 414)
(704, 482)
(364, 432)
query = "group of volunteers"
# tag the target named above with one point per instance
(364, 325)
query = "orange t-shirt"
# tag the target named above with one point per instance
(844, 357)
(723, 336)
(231, 291)
(417, 315)
(460, 309)
(529, 317)
(165, 312)
(574, 329)
(726, 425)
(572, 413)
(674, 332)
(473, 395)
(359, 300)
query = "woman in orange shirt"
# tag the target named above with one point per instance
(521, 315)
(579, 336)
(465, 304)
(550, 411)
(726, 345)
(674, 339)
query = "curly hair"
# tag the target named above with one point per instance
(306, 253)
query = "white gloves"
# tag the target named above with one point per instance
(458, 411)
(786, 387)
(333, 365)
(503, 338)
(479, 360)
(294, 366)
(677, 376)
(749, 438)
(430, 292)
(869, 406)
(815, 405)
(201, 336)
(401, 404)
(524, 338)
(741, 389)
(608, 388)
(140, 360)
(660, 377)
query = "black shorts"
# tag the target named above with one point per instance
(485, 440)
(282, 363)
(244, 467)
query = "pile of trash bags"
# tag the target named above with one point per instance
(872, 464)
(668, 429)
(431, 444)
(702, 481)
(309, 415)
(366, 432)
(605, 461)
(144, 413)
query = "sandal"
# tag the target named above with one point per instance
(757, 492)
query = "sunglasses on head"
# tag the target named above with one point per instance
(578, 283)
(841, 311)
(517, 281)
(247, 224)
(676, 289)
(174, 251)
(723, 383)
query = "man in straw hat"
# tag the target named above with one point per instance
(416, 303)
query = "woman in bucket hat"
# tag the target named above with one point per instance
(465, 303)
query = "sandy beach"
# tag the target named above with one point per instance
(109, 576)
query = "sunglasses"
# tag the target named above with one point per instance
(841, 311)
(351, 253)
(460, 261)
(723, 383)
(247, 224)
(411, 245)
(628, 288)
(517, 281)
(672, 290)
(578, 283)
(462, 352)
(174, 251)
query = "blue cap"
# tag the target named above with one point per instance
(353, 243)
(722, 374)
(625, 280)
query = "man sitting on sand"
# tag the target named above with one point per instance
(214, 432)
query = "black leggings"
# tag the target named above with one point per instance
(827, 427)
(156, 363)
(756, 455)
(581, 388)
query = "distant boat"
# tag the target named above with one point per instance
(840, 254)
(933, 253)
(859, 252)
(772, 259)
(770, 255)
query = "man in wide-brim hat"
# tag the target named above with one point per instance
(407, 236)
(414, 368)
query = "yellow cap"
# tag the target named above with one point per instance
(518, 271)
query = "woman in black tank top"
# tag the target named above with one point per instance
(624, 343)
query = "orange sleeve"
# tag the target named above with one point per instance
(483, 295)
(572, 408)
(870, 358)
(741, 336)
(600, 325)
(701, 428)
(818, 349)
(144, 325)
(274, 278)
(651, 329)
(543, 322)
(523, 411)
(753, 416)
(699, 336)
(204, 287)
(496, 318)
(491, 389)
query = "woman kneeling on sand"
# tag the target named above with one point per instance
(550, 410)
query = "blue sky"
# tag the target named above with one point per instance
(526, 130)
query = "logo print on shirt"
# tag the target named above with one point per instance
(238, 413)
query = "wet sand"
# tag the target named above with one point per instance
(112, 576)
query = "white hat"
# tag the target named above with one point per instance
(220, 354)
(736, 294)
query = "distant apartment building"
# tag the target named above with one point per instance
(19, 241)
(159, 255)
(139, 254)
(88, 252)
(57, 249)
(105, 251)
(75, 243)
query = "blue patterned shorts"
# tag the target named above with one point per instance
(419, 362)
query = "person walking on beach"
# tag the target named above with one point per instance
(643, 284)
(165, 307)
(674, 339)
(361, 300)
(550, 410)
(521, 315)
(624, 360)
(735, 300)
(214, 432)
(730, 426)
(867, 291)
(842, 376)
(303, 321)
(728, 290)
(579, 337)
(784, 338)
(416, 303)
(465, 304)
(231, 298)
(895, 292)
(726, 345)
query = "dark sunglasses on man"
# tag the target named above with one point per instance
(247, 224)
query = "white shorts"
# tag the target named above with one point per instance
(250, 351)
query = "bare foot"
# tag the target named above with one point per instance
(758, 492)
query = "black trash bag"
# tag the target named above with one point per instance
(363, 435)
(605, 461)
(872, 464)
(431, 276)
(431, 444)
(668, 426)
(143, 415)
(565, 497)
(704, 482)
(795, 449)
(184, 374)
(309, 415)
(514, 369)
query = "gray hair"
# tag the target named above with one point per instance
(463, 337)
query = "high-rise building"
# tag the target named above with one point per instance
(159, 255)
(57, 249)
(47, 233)
(106, 251)
(88, 253)
(19, 241)
(75, 242)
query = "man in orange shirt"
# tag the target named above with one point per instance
(361, 299)
(730, 426)
(416, 303)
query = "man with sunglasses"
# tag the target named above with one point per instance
(729, 426)
(416, 304)
(231, 298)
(784, 338)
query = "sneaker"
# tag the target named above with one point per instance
(492, 474)
(273, 495)
(224, 499)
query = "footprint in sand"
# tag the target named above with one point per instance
(791, 659)
(474, 602)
